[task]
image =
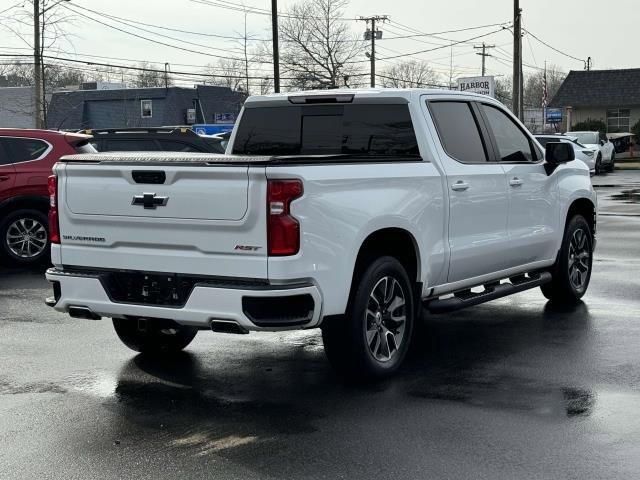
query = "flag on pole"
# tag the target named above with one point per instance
(544, 88)
(544, 98)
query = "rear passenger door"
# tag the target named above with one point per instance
(533, 195)
(7, 173)
(475, 182)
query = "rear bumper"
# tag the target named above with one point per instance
(263, 308)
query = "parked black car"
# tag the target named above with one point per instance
(170, 139)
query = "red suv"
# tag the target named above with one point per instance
(26, 158)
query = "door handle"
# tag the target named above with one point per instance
(3, 178)
(459, 186)
(515, 182)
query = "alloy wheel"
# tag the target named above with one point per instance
(579, 256)
(26, 237)
(385, 319)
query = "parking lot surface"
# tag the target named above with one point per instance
(515, 388)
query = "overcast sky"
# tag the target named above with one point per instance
(580, 28)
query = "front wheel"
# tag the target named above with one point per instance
(373, 338)
(572, 270)
(599, 164)
(611, 167)
(153, 336)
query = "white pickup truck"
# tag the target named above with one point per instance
(345, 210)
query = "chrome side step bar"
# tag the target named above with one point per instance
(467, 298)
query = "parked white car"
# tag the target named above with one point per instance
(606, 159)
(345, 210)
(586, 154)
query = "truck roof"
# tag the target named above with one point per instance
(359, 93)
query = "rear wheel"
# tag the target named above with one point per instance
(572, 270)
(153, 336)
(372, 340)
(24, 239)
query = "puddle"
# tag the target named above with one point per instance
(513, 393)
(627, 196)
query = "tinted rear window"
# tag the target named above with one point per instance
(25, 149)
(369, 130)
(130, 145)
(172, 146)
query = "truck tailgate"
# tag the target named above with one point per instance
(202, 218)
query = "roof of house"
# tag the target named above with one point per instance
(67, 109)
(599, 88)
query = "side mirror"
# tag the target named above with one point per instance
(559, 152)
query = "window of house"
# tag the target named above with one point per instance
(618, 120)
(146, 108)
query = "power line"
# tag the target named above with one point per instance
(151, 39)
(156, 70)
(442, 46)
(554, 48)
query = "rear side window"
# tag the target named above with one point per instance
(353, 129)
(171, 146)
(513, 144)
(458, 131)
(25, 149)
(130, 145)
(4, 157)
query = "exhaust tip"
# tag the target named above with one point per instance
(84, 313)
(228, 326)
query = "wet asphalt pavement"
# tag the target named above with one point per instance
(515, 388)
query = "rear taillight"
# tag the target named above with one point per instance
(54, 229)
(283, 230)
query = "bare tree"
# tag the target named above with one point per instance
(503, 91)
(318, 48)
(228, 73)
(236, 73)
(534, 85)
(153, 77)
(410, 73)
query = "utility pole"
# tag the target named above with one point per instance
(373, 35)
(588, 64)
(166, 75)
(483, 54)
(37, 66)
(517, 60)
(276, 50)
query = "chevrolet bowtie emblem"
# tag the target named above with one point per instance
(149, 200)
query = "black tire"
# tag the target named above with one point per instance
(599, 164)
(355, 343)
(611, 167)
(31, 249)
(153, 336)
(562, 289)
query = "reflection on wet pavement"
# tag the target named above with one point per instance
(627, 196)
